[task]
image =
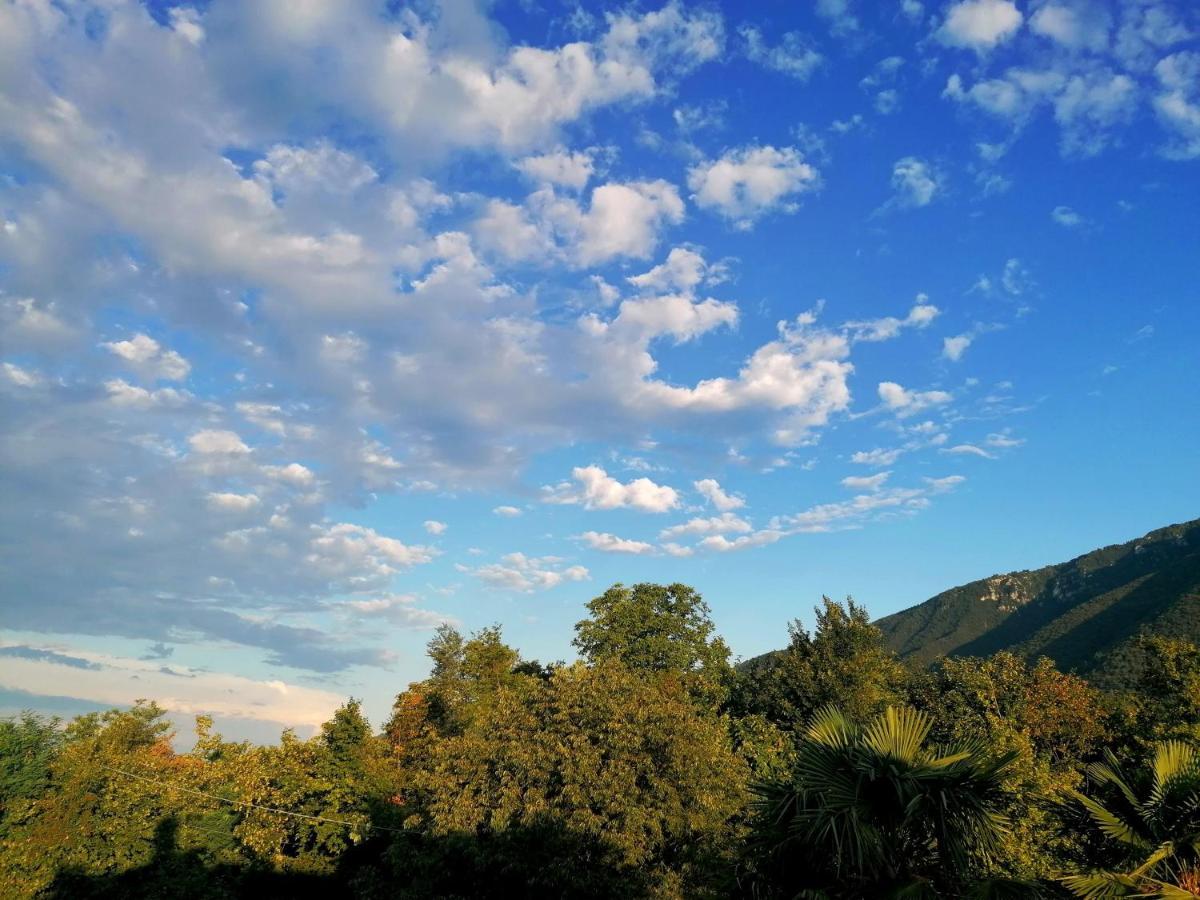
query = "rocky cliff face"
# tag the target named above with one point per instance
(1080, 613)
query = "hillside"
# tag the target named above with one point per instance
(1083, 614)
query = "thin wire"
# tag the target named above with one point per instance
(246, 803)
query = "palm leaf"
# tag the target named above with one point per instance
(899, 733)
(1110, 823)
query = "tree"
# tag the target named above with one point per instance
(658, 628)
(1051, 721)
(1166, 687)
(28, 747)
(844, 663)
(619, 765)
(874, 811)
(1151, 822)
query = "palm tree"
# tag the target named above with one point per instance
(875, 812)
(1157, 832)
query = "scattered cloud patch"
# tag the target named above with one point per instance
(750, 182)
(594, 488)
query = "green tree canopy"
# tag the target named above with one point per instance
(657, 628)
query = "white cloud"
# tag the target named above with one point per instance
(916, 183)
(117, 681)
(217, 442)
(508, 512)
(596, 489)
(712, 492)
(750, 182)
(1067, 217)
(621, 220)
(624, 219)
(1077, 26)
(905, 402)
(144, 354)
(967, 450)
(942, 485)
(1178, 103)
(518, 572)
(795, 55)
(878, 457)
(684, 269)
(610, 543)
(1090, 101)
(725, 523)
(292, 473)
(398, 609)
(920, 316)
(718, 543)
(1003, 440)
(953, 348)
(559, 167)
(865, 482)
(980, 24)
(434, 527)
(838, 13)
(233, 502)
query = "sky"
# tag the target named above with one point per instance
(325, 323)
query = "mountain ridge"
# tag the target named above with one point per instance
(1084, 613)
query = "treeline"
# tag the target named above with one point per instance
(650, 768)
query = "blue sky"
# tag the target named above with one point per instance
(322, 324)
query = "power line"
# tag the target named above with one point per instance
(249, 805)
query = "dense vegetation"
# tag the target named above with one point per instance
(1086, 615)
(652, 767)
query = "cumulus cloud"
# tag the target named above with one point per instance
(954, 347)
(795, 55)
(610, 543)
(865, 482)
(144, 355)
(725, 523)
(508, 512)
(620, 220)
(559, 167)
(980, 25)
(217, 442)
(750, 182)
(683, 270)
(906, 402)
(593, 488)
(1073, 25)
(916, 183)
(711, 490)
(434, 527)
(877, 457)
(1090, 101)
(526, 574)
(1178, 103)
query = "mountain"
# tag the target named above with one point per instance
(1083, 614)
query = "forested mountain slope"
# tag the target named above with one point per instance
(1083, 614)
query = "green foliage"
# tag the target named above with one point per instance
(628, 774)
(1051, 722)
(1086, 614)
(28, 746)
(620, 761)
(657, 628)
(843, 663)
(1151, 822)
(875, 810)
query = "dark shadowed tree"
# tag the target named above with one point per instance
(843, 662)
